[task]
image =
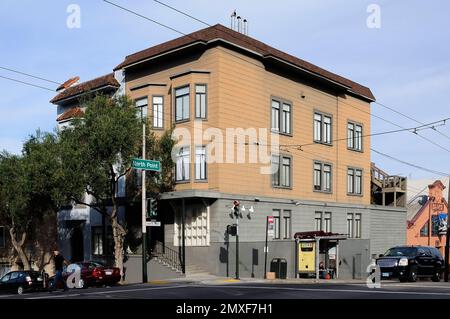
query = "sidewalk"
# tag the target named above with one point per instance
(216, 280)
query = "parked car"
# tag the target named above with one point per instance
(93, 274)
(22, 281)
(407, 263)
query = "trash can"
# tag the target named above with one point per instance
(279, 267)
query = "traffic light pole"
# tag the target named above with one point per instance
(237, 247)
(144, 211)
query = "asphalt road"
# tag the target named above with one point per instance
(186, 290)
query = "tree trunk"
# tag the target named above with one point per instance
(18, 246)
(119, 235)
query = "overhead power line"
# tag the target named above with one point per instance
(30, 75)
(410, 164)
(408, 117)
(27, 83)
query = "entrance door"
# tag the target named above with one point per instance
(77, 245)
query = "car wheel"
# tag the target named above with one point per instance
(412, 275)
(20, 290)
(437, 276)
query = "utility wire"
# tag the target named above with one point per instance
(146, 18)
(423, 137)
(409, 164)
(408, 117)
(183, 13)
(27, 83)
(30, 75)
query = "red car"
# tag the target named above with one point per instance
(94, 274)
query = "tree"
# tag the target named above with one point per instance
(101, 147)
(33, 188)
(14, 203)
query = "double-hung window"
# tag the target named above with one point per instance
(200, 163)
(287, 224)
(354, 225)
(354, 181)
(281, 171)
(281, 116)
(142, 105)
(183, 160)
(322, 128)
(182, 104)
(158, 111)
(354, 136)
(276, 223)
(322, 177)
(322, 221)
(200, 101)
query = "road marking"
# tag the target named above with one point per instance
(5, 296)
(52, 297)
(110, 292)
(333, 290)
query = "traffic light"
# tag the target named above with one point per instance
(152, 208)
(236, 208)
(232, 230)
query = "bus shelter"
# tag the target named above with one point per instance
(317, 252)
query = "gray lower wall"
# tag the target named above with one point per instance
(381, 228)
(387, 229)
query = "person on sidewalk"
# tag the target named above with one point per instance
(59, 262)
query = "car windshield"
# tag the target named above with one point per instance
(401, 251)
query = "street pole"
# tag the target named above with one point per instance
(144, 211)
(265, 248)
(183, 245)
(447, 237)
(237, 247)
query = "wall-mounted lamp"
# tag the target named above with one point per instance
(257, 199)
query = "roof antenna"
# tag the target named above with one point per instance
(239, 28)
(233, 20)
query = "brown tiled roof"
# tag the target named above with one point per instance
(68, 83)
(70, 114)
(220, 32)
(106, 80)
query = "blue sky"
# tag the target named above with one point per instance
(406, 62)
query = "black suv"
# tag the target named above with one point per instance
(408, 263)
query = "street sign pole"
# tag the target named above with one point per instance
(447, 237)
(265, 248)
(144, 211)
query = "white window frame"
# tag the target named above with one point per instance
(201, 166)
(323, 128)
(355, 136)
(185, 100)
(201, 101)
(142, 104)
(322, 178)
(281, 116)
(183, 158)
(158, 111)
(282, 173)
(276, 213)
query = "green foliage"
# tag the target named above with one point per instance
(14, 202)
(104, 142)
